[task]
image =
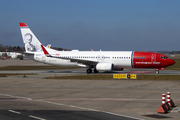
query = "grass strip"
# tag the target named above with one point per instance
(176, 66)
(11, 74)
(34, 68)
(110, 77)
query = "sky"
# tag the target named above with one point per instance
(109, 25)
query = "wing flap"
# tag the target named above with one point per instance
(85, 62)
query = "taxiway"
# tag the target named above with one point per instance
(32, 97)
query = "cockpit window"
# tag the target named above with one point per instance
(164, 57)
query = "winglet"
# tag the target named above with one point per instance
(23, 25)
(45, 51)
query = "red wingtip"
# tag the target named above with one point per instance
(23, 25)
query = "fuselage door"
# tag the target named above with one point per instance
(153, 59)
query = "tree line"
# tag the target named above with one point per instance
(18, 48)
(10, 48)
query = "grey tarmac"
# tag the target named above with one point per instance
(32, 97)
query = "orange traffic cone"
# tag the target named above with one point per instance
(163, 108)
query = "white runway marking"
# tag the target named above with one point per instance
(70, 106)
(36, 117)
(14, 111)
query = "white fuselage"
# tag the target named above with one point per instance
(119, 59)
(14, 54)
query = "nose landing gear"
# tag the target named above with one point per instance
(157, 71)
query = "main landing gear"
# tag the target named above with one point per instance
(90, 70)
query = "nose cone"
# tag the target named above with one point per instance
(171, 62)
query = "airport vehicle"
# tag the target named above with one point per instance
(1, 53)
(97, 60)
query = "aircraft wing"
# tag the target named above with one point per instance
(85, 62)
(27, 53)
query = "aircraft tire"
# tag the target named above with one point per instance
(157, 72)
(89, 71)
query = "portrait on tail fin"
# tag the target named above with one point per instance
(31, 43)
(28, 43)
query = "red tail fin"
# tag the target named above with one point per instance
(23, 25)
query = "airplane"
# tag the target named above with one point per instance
(14, 55)
(11, 54)
(97, 60)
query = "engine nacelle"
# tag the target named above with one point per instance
(104, 66)
(13, 56)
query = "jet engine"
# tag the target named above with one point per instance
(104, 67)
(13, 56)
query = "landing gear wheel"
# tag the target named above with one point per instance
(95, 71)
(157, 72)
(89, 71)
(21, 58)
